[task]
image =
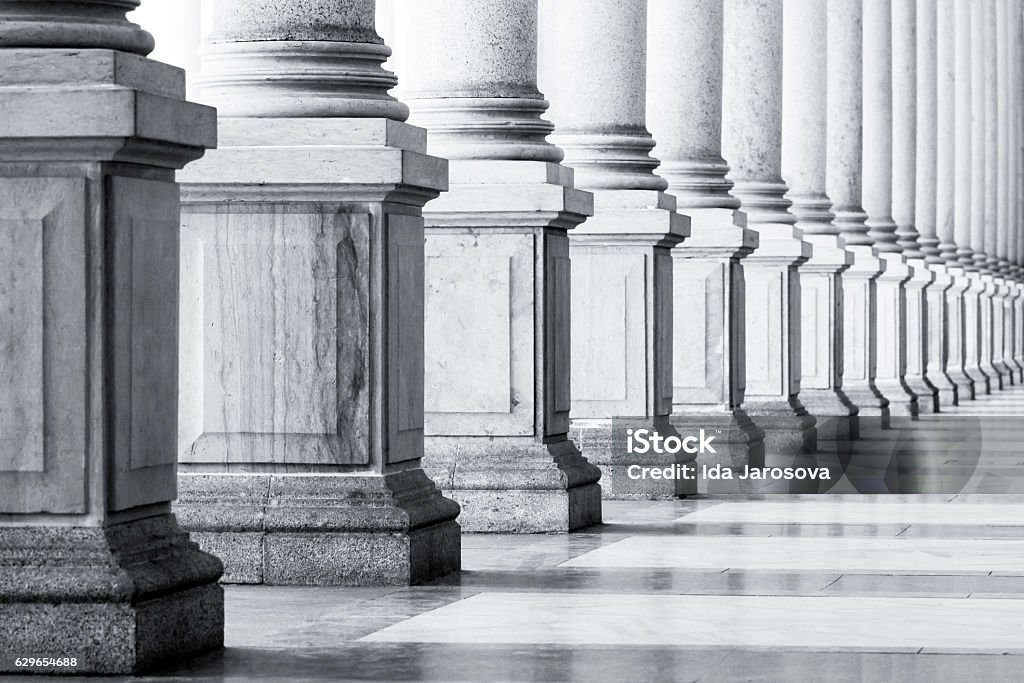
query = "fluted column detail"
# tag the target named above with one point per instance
(752, 146)
(804, 146)
(592, 67)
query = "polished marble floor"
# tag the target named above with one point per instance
(718, 588)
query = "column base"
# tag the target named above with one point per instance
(788, 431)
(927, 394)
(869, 400)
(739, 443)
(394, 529)
(902, 401)
(606, 450)
(835, 415)
(516, 485)
(122, 599)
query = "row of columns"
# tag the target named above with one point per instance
(808, 216)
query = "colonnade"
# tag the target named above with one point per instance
(410, 299)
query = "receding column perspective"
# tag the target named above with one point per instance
(844, 183)
(592, 68)
(684, 113)
(93, 565)
(301, 407)
(890, 324)
(498, 272)
(752, 146)
(906, 119)
(804, 145)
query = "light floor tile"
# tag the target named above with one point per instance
(843, 555)
(866, 623)
(858, 512)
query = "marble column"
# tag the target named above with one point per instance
(301, 428)
(987, 255)
(752, 146)
(498, 274)
(980, 292)
(905, 166)
(804, 145)
(926, 203)
(1015, 214)
(844, 183)
(592, 67)
(1004, 260)
(890, 322)
(684, 113)
(93, 565)
(953, 183)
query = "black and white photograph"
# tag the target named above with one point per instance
(527, 341)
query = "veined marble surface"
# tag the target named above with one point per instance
(855, 511)
(854, 555)
(881, 624)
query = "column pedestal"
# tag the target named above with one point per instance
(937, 298)
(772, 342)
(891, 326)
(1006, 320)
(821, 291)
(987, 337)
(92, 564)
(956, 344)
(860, 345)
(1015, 304)
(497, 414)
(918, 348)
(302, 355)
(622, 324)
(709, 338)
